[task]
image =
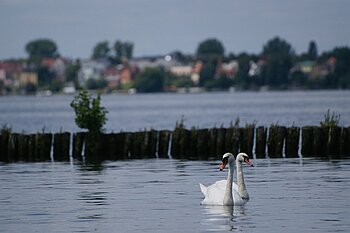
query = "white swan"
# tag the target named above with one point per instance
(226, 192)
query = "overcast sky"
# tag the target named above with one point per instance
(162, 26)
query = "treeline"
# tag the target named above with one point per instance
(277, 66)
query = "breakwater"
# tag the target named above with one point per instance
(181, 143)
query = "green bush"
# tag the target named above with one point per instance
(89, 113)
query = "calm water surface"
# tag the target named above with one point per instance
(161, 111)
(287, 195)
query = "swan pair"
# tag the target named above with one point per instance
(226, 192)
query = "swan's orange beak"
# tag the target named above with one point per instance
(247, 161)
(223, 165)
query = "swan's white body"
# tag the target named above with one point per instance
(214, 194)
(226, 192)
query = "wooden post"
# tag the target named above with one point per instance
(181, 141)
(202, 144)
(43, 145)
(247, 140)
(105, 146)
(149, 144)
(333, 143)
(112, 141)
(61, 146)
(221, 135)
(212, 142)
(193, 148)
(275, 141)
(320, 135)
(163, 143)
(136, 138)
(175, 147)
(307, 141)
(232, 139)
(260, 142)
(344, 149)
(124, 144)
(4, 144)
(96, 148)
(13, 148)
(23, 147)
(31, 147)
(78, 143)
(185, 144)
(292, 142)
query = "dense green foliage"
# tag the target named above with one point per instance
(72, 72)
(89, 113)
(41, 48)
(150, 80)
(120, 52)
(101, 50)
(278, 54)
(210, 48)
(123, 49)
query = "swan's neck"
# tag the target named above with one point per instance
(228, 198)
(242, 190)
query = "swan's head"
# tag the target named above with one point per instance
(227, 158)
(243, 157)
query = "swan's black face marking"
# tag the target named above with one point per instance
(224, 163)
(247, 161)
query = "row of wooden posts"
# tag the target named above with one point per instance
(181, 143)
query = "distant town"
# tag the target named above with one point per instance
(113, 69)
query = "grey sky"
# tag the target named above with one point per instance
(162, 26)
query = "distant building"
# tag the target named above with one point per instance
(181, 71)
(27, 78)
(111, 75)
(125, 75)
(230, 69)
(91, 69)
(57, 66)
(306, 67)
(197, 68)
(163, 62)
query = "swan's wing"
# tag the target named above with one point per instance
(214, 194)
(203, 189)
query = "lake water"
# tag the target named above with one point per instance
(161, 111)
(161, 195)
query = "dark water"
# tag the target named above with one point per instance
(161, 111)
(287, 195)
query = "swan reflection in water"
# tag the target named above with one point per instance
(223, 218)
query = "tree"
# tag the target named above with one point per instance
(89, 114)
(150, 80)
(45, 76)
(312, 50)
(278, 55)
(242, 78)
(72, 71)
(123, 50)
(101, 50)
(211, 52)
(210, 48)
(41, 48)
(94, 84)
(341, 73)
